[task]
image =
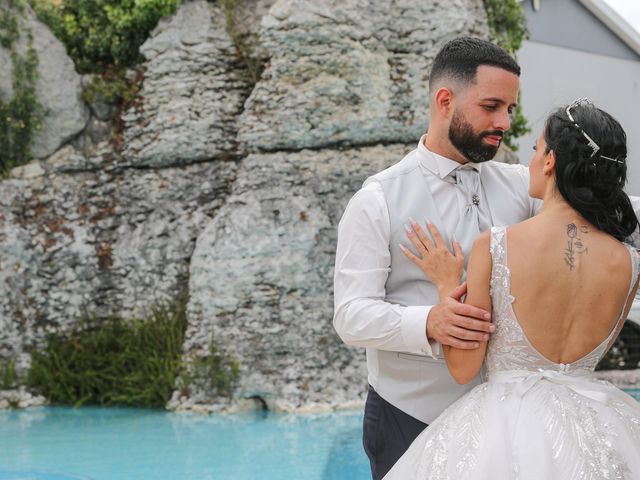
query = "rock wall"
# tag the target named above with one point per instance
(91, 236)
(349, 72)
(192, 93)
(230, 189)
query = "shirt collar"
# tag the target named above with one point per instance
(437, 164)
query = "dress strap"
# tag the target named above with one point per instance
(498, 247)
(635, 269)
(635, 266)
(500, 288)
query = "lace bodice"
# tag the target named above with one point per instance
(509, 348)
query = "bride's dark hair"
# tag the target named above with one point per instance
(591, 172)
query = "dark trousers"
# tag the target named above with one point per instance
(387, 433)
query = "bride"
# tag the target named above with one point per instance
(560, 286)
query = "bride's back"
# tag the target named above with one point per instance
(570, 282)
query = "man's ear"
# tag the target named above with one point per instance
(444, 101)
(549, 166)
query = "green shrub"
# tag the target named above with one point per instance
(508, 28)
(9, 23)
(116, 362)
(103, 33)
(21, 115)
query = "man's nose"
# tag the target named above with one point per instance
(502, 121)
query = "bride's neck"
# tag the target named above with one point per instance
(554, 205)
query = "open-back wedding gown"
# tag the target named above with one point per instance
(533, 418)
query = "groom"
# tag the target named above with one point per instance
(382, 301)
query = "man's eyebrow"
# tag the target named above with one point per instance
(497, 100)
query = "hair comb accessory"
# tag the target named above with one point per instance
(590, 141)
(617, 160)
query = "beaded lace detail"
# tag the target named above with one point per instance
(509, 348)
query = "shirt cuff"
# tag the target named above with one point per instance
(413, 326)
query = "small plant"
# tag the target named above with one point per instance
(100, 34)
(215, 373)
(9, 23)
(507, 23)
(115, 362)
(9, 375)
(20, 116)
(111, 87)
(508, 28)
(245, 43)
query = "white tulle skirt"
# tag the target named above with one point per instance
(530, 428)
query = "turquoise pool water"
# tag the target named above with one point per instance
(120, 444)
(56, 443)
(634, 392)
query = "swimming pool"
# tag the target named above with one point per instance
(55, 443)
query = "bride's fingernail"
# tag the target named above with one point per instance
(402, 247)
(427, 221)
(407, 228)
(487, 316)
(413, 222)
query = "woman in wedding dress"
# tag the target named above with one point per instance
(559, 286)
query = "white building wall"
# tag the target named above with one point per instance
(553, 76)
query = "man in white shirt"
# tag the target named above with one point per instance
(382, 301)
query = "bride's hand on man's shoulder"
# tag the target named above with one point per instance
(440, 265)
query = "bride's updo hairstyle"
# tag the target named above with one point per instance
(591, 170)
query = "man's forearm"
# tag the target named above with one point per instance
(382, 325)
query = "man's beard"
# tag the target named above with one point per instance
(468, 142)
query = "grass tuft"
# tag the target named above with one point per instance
(118, 362)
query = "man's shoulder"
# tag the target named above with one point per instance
(405, 166)
(507, 170)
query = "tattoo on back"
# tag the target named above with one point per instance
(574, 244)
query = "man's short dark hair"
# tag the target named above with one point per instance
(459, 60)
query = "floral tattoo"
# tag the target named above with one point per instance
(574, 244)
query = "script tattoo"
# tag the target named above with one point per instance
(574, 244)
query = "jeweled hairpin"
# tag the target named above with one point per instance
(590, 141)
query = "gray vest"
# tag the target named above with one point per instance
(416, 384)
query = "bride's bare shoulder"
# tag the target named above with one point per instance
(538, 233)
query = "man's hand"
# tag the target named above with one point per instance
(458, 325)
(443, 268)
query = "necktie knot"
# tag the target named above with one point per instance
(468, 180)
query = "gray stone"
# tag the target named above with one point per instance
(261, 279)
(98, 130)
(32, 169)
(192, 93)
(349, 73)
(20, 398)
(103, 241)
